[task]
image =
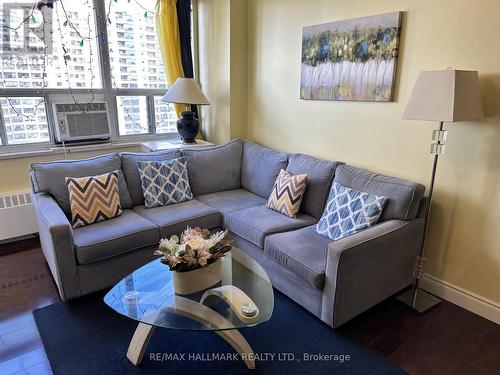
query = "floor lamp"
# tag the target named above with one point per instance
(442, 96)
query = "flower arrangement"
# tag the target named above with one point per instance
(195, 249)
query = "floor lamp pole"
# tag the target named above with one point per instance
(416, 298)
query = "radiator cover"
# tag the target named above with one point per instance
(17, 217)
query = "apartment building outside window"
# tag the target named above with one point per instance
(102, 52)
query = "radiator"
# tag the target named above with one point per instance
(16, 215)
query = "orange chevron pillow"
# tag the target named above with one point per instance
(287, 193)
(93, 199)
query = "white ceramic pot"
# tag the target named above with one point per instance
(196, 280)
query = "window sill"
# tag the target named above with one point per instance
(56, 150)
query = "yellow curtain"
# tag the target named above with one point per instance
(170, 45)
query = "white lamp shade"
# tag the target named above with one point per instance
(185, 91)
(445, 95)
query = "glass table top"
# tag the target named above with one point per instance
(147, 295)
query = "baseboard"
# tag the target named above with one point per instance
(20, 238)
(479, 305)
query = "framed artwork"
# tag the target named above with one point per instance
(352, 60)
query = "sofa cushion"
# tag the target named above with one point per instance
(109, 238)
(173, 219)
(50, 177)
(164, 182)
(131, 172)
(216, 168)
(319, 178)
(255, 223)
(93, 198)
(302, 252)
(259, 168)
(232, 200)
(403, 196)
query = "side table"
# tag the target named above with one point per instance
(152, 146)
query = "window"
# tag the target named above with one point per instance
(165, 116)
(73, 63)
(133, 115)
(25, 120)
(24, 54)
(134, 37)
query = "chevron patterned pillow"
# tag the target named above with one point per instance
(287, 193)
(164, 182)
(93, 199)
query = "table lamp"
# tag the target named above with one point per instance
(442, 96)
(186, 91)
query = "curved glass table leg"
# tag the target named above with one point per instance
(200, 313)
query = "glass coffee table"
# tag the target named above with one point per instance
(244, 298)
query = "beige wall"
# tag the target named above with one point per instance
(223, 67)
(464, 244)
(239, 68)
(214, 63)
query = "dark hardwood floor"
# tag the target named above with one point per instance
(447, 340)
(25, 284)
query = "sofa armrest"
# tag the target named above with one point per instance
(56, 237)
(368, 267)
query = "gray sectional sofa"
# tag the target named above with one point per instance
(334, 280)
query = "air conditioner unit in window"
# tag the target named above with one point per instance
(81, 121)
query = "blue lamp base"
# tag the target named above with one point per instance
(188, 127)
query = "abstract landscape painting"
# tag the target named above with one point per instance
(351, 60)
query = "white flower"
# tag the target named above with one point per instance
(216, 238)
(196, 243)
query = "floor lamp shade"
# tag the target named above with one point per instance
(445, 95)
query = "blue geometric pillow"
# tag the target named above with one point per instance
(349, 211)
(164, 182)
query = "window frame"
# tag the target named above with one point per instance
(107, 91)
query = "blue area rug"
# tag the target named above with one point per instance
(85, 336)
